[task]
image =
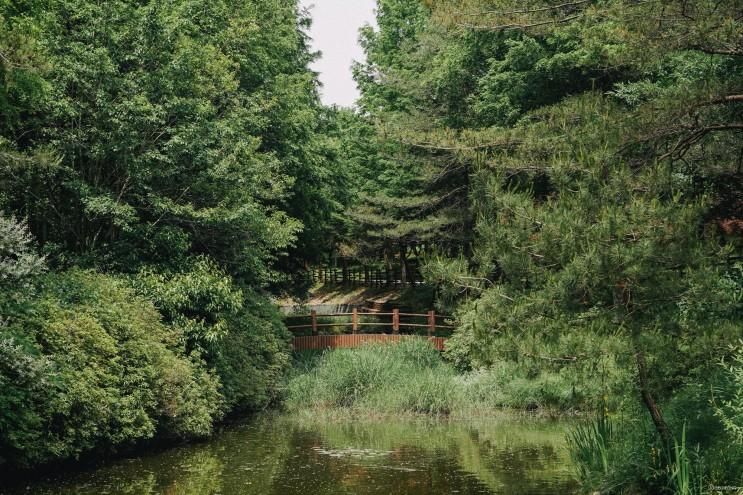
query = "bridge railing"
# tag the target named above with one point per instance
(397, 321)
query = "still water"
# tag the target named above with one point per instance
(276, 455)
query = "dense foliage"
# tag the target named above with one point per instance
(166, 158)
(599, 143)
(569, 172)
(86, 364)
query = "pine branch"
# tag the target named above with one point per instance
(721, 101)
(683, 145)
(523, 11)
(520, 27)
(9, 62)
(431, 146)
(719, 51)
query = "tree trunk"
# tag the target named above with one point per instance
(387, 266)
(647, 398)
(403, 265)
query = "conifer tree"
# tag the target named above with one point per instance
(601, 144)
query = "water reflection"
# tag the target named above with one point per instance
(288, 456)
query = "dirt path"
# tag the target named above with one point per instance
(332, 294)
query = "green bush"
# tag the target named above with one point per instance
(238, 332)
(254, 356)
(17, 257)
(86, 365)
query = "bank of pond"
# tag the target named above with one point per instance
(289, 455)
(400, 418)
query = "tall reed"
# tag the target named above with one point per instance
(685, 478)
(590, 448)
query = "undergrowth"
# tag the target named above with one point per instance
(412, 378)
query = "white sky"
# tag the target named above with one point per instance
(335, 32)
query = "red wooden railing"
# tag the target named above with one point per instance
(396, 322)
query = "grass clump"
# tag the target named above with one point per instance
(590, 444)
(413, 378)
(407, 377)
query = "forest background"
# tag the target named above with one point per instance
(568, 175)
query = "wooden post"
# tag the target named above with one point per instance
(355, 320)
(313, 316)
(395, 321)
(431, 323)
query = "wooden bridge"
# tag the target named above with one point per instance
(366, 327)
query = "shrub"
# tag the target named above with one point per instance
(703, 452)
(254, 356)
(86, 365)
(238, 332)
(17, 257)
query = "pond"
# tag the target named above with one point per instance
(290, 456)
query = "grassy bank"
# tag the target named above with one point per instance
(413, 378)
(617, 451)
